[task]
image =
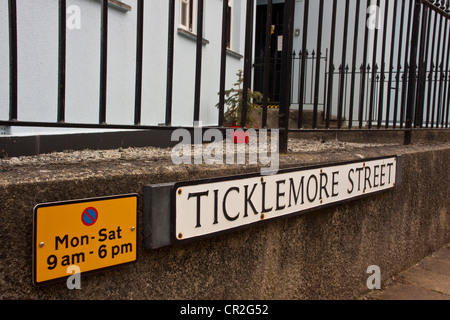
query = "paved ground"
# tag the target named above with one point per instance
(427, 280)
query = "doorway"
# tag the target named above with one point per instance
(276, 44)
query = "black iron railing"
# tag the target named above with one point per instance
(301, 94)
(382, 95)
(411, 90)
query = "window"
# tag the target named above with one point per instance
(187, 15)
(230, 23)
(188, 20)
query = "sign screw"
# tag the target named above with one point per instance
(41, 244)
(133, 228)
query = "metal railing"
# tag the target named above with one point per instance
(418, 94)
(390, 96)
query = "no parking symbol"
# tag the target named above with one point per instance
(89, 216)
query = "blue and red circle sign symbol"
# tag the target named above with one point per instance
(89, 216)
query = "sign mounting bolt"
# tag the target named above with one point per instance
(42, 244)
(133, 228)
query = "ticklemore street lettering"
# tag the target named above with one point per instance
(203, 209)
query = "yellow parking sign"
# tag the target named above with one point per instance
(91, 234)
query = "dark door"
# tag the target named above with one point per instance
(275, 50)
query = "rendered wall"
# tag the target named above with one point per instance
(37, 27)
(320, 255)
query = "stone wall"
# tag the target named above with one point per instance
(319, 255)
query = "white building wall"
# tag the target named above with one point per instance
(38, 64)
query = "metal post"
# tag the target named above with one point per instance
(432, 66)
(170, 55)
(422, 68)
(363, 71)
(374, 70)
(397, 80)
(286, 60)
(406, 70)
(391, 65)
(446, 103)
(331, 66)
(447, 83)
(302, 75)
(383, 64)
(198, 64)
(12, 9)
(267, 62)
(247, 61)
(412, 72)
(139, 61)
(442, 76)
(319, 50)
(103, 61)
(342, 71)
(355, 47)
(62, 61)
(223, 62)
(436, 74)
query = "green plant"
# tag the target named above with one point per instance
(233, 100)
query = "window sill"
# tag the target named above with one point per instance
(190, 35)
(119, 5)
(234, 54)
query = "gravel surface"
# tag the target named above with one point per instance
(150, 153)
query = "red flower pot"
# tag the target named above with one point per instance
(239, 137)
